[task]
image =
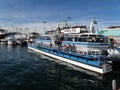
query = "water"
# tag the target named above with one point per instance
(23, 69)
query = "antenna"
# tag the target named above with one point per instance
(93, 21)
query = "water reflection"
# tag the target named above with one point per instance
(23, 69)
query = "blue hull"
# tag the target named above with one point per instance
(89, 62)
(96, 61)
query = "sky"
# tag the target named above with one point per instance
(32, 13)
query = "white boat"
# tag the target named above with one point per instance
(83, 50)
(15, 39)
(20, 39)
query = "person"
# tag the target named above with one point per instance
(50, 44)
(113, 45)
(60, 42)
(73, 39)
(93, 39)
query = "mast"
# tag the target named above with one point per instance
(93, 21)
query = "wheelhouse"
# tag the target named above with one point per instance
(45, 41)
(46, 37)
(93, 38)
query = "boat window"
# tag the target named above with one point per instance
(66, 38)
(44, 38)
(92, 38)
(38, 37)
(84, 39)
(102, 39)
(79, 39)
(62, 38)
(69, 38)
(87, 38)
(76, 39)
(84, 36)
(97, 39)
(47, 38)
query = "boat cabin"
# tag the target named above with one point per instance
(96, 38)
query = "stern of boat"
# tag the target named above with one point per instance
(107, 68)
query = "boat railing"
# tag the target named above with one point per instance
(98, 56)
(94, 55)
(95, 59)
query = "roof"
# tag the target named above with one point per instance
(2, 30)
(113, 27)
(112, 32)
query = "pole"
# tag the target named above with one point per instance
(44, 26)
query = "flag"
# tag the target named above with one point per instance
(69, 17)
(94, 21)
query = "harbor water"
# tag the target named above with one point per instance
(23, 69)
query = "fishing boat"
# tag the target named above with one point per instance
(85, 50)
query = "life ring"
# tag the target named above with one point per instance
(80, 52)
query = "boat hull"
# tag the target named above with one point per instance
(101, 70)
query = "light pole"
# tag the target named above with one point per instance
(26, 30)
(44, 26)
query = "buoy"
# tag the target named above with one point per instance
(113, 85)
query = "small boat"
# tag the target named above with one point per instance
(2, 34)
(10, 40)
(15, 39)
(85, 50)
(20, 39)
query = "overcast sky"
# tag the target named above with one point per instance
(32, 13)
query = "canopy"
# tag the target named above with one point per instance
(113, 32)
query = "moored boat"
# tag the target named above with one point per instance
(2, 34)
(86, 50)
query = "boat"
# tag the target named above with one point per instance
(2, 34)
(20, 39)
(10, 40)
(16, 39)
(85, 50)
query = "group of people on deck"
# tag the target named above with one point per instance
(58, 41)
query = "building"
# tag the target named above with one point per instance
(113, 32)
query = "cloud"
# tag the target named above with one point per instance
(33, 27)
(32, 13)
(16, 11)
